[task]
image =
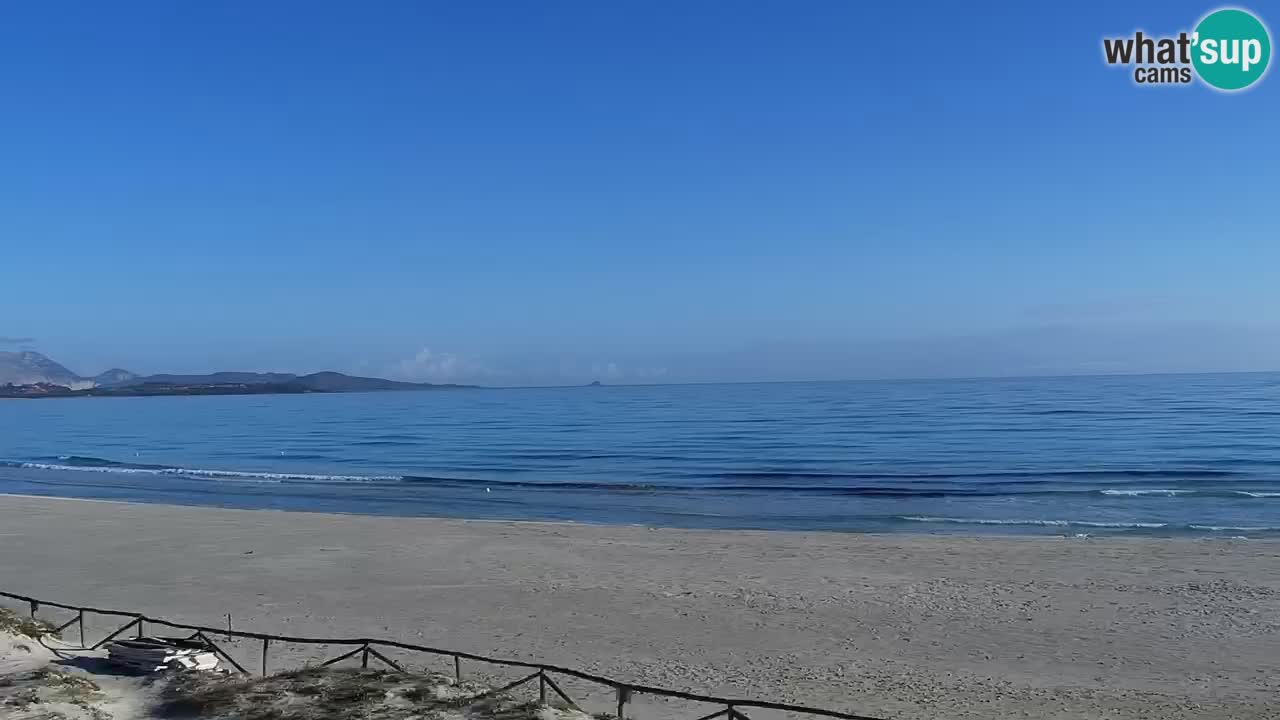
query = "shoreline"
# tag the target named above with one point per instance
(952, 534)
(941, 527)
(896, 625)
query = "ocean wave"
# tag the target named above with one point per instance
(1042, 523)
(1116, 525)
(885, 491)
(538, 484)
(1036, 475)
(1153, 491)
(282, 476)
(867, 485)
(1208, 492)
(1236, 528)
(88, 461)
(121, 468)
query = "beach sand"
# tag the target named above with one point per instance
(891, 625)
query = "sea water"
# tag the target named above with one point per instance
(1139, 455)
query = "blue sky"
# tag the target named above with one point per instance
(557, 191)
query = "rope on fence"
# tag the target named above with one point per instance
(623, 690)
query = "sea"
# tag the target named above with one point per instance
(1156, 455)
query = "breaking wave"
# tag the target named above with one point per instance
(869, 485)
(1039, 523)
(84, 464)
(1184, 501)
(1155, 491)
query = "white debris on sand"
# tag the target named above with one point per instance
(146, 655)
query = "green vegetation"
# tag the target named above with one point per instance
(12, 622)
(32, 692)
(337, 694)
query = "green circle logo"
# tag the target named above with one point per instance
(1232, 49)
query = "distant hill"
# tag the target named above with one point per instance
(315, 382)
(338, 382)
(32, 368)
(114, 376)
(33, 375)
(218, 378)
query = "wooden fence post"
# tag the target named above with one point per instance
(559, 691)
(624, 695)
(366, 647)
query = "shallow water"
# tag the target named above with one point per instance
(1149, 455)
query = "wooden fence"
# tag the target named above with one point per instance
(367, 648)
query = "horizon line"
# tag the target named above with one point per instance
(941, 378)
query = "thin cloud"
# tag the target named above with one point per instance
(441, 367)
(16, 340)
(615, 371)
(608, 371)
(431, 366)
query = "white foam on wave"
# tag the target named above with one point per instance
(1166, 492)
(93, 468)
(284, 476)
(1236, 528)
(1044, 523)
(213, 474)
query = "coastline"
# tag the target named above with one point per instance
(977, 531)
(1240, 514)
(897, 625)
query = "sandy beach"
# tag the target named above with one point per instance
(891, 625)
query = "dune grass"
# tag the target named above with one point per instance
(37, 694)
(341, 694)
(12, 622)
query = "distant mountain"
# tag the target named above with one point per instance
(149, 390)
(32, 368)
(315, 382)
(114, 376)
(218, 378)
(337, 382)
(34, 375)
